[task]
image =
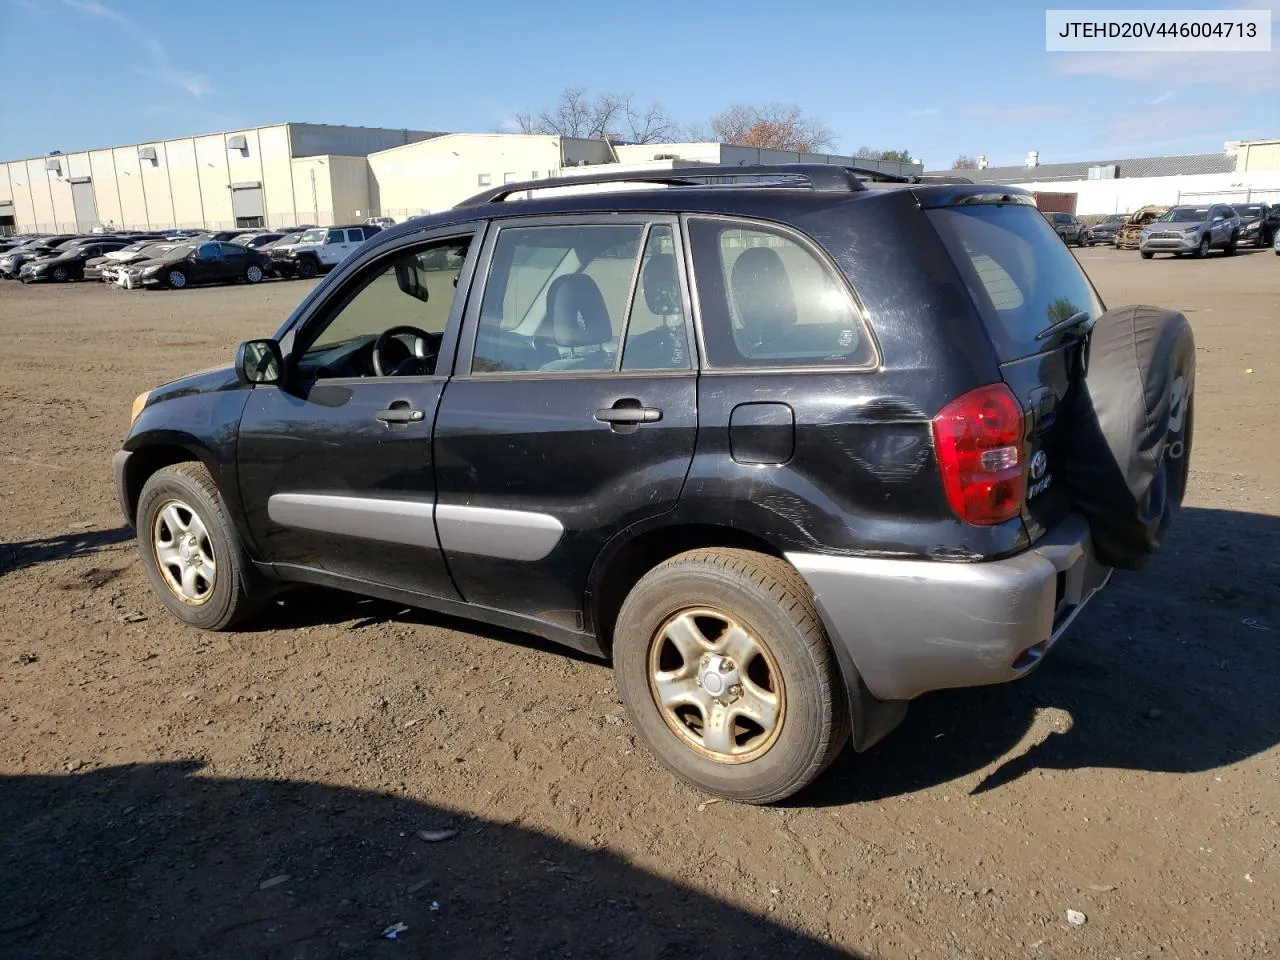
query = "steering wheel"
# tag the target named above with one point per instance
(384, 366)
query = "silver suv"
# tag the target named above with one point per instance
(1192, 229)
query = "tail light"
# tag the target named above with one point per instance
(978, 439)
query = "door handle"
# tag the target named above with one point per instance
(628, 412)
(400, 415)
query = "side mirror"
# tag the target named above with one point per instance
(259, 361)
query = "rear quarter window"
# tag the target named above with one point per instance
(768, 300)
(1021, 277)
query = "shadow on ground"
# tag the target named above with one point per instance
(1171, 669)
(157, 861)
(30, 553)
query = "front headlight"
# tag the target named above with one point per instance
(1251, 226)
(1191, 231)
(149, 271)
(139, 402)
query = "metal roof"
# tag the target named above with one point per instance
(1191, 163)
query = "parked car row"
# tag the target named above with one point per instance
(181, 258)
(1193, 229)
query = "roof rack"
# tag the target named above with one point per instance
(820, 177)
(940, 178)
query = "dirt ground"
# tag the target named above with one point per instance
(166, 792)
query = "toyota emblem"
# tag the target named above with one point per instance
(1039, 465)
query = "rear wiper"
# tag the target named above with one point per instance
(1062, 326)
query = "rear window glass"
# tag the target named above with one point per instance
(1020, 275)
(767, 300)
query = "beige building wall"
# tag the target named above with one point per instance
(436, 174)
(211, 168)
(106, 191)
(179, 158)
(134, 213)
(349, 188)
(313, 191)
(277, 176)
(39, 181)
(156, 186)
(1256, 155)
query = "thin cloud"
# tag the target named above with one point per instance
(161, 68)
(1161, 99)
(1030, 113)
(926, 112)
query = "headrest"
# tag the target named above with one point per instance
(579, 317)
(662, 286)
(762, 292)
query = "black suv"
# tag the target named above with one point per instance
(790, 444)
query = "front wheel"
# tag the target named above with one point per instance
(190, 549)
(1147, 254)
(1202, 251)
(726, 671)
(176, 279)
(308, 268)
(60, 274)
(253, 274)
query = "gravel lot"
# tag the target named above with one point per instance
(165, 792)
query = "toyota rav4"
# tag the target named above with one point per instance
(791, 445)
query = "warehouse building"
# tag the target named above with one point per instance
(279, 175)
(297, 173)
(1245, 170)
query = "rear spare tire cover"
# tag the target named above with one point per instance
(1129, 446)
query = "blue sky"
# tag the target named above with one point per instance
(936, 78)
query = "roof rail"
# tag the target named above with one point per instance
(940, 178)
(821, 177)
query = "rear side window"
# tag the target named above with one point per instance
(1020, 275)
(768, 300)
(355, 236)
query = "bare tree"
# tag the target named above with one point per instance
(868, 153)
(776, 126)
(964, 162)
(609, 116)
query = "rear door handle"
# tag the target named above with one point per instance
(400, 415)
(628, 414)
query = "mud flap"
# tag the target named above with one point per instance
(1129, 447)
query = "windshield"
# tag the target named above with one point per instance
(1115, 218)
(1247, 209)
(1184, 214)
(312, 236)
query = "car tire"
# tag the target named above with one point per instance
(1147, 254)
(176, 280)
(723, 603)
(253, 274)
(308, 268)
(1202, 251)
(181, 503)
(59, 274)
(1230, 248)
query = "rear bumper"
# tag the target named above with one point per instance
(911, 626)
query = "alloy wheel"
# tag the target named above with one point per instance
(716, 685)
(184, 552)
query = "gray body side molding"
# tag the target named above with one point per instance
(486, 531)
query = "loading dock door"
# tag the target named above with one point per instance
(246, 202)
(83, 203)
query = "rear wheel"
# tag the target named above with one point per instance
(727, 673)
(59, 274)
(253, 274)
(176, 279)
